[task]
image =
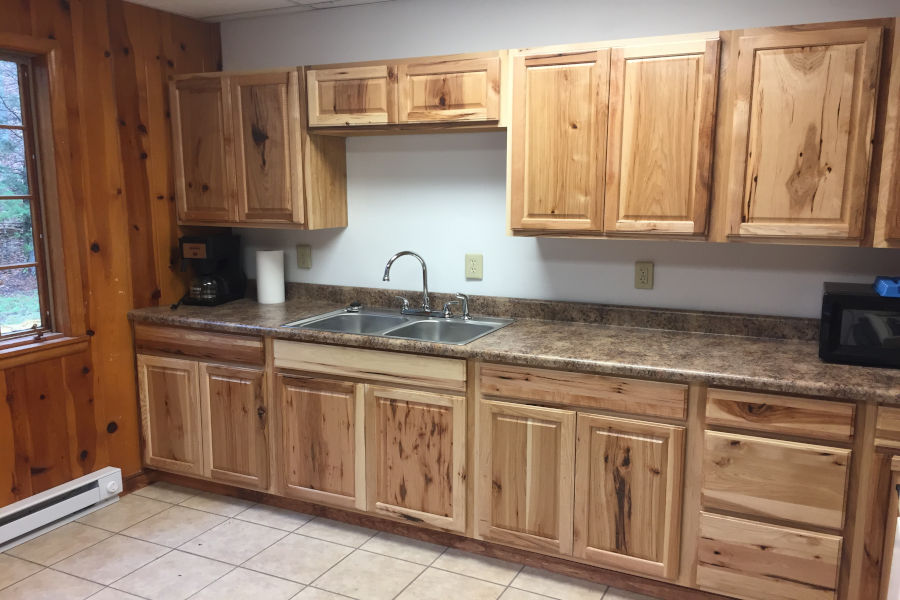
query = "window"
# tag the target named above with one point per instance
(24, 302)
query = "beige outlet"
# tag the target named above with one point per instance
(304, 256)
(643, 275)
(474, 266)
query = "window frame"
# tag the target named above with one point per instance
(29, 128)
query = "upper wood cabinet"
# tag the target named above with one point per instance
(557, 141)
(804, 113)
(243, 155)
(203, 143)
(628, 481)
(662, 106)
(460, 90)
(887, 216)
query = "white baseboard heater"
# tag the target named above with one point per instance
(52, 508)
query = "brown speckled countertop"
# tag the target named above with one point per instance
(753, 363)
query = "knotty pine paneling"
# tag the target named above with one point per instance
(118, 177)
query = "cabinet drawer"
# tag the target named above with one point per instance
(372, 365)
(225, 347)
(780, 414)
(887, 428)
(764, 562)
(633, 396)
(777, 479)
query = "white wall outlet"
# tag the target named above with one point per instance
(643, 275)
(304, 256)
(474, 266)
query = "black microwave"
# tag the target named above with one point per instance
(859, 327)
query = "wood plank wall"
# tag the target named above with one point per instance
(117, 57)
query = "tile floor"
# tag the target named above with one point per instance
(170, 543)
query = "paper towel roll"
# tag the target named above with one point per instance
(270, 276)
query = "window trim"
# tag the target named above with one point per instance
(35, 196)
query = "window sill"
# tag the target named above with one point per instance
(14, 353)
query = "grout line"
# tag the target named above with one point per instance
(326, 591)
(212, 582)
(321, 575)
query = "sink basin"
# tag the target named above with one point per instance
(356, 323)
(447, 332)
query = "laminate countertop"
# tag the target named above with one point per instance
(752, 363)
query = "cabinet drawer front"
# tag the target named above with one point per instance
(777, 479)
(764, 562)
(781, 414)
(887, 429)
(372, 365)
(225, 347)
(352, 96)
(651, 398)
(450, 90)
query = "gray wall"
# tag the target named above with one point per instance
(444, 195)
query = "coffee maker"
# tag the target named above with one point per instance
(215, 263)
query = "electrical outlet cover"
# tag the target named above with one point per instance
(643, 275)
(474, 266)
(304, 256)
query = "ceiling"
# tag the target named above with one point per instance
(221, 10)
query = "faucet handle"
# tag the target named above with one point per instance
(465, 305)
(445, 312)
(404, 303)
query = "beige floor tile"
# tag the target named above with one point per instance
(166, 492)
(614, 594)
(397, 546)
(337, 532)
(126, 512)
(514, 594)
(298, 558)
(14, 569)
(220, 505)
(480, 567)
(556, 586)
(233, 541)
(58, 544)
(435, 584)
(113, 594)
(174, 576)
(50, 585)
(174, 526)
(242, 584)
(369, 576)
(271, 516)
(311, 593)
(111, 559)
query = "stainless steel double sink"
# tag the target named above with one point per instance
(385, 323)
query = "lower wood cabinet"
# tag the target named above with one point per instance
(235, 415)
(170, 413)
(628, 482)
(526, 469)
(417, 456)
(322, 445)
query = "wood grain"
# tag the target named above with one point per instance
(443, 90)
(887, 214)
(224, 347)
(776, 479)
(887, 427)
(352, 95)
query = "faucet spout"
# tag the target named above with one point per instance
(426, 301)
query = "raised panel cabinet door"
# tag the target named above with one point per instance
(352, 96)
(203, 144)
(322, 440)
(526, 466)
(628, 481)
(170, 414)
(417, 456)
(803, 123)
(662, 107)
(267, 125)
(887, 215)
(557, 141)
(460, 89)
(235, 419)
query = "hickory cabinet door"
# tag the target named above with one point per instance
(322, 441)
(266, 109)
(803, 123)
(557, 141)
(525, 476)
(466, 89)
(417, 456)
(202, 140)
(352, 96)
(662, 107)
(235, 416)
(170, 414)
(628, 480)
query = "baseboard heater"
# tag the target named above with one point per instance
(52, 508)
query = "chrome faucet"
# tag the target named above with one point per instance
(426, 301)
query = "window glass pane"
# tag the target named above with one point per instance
(10, 105)
(13, 170)
(20, 306)
(16, 237)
